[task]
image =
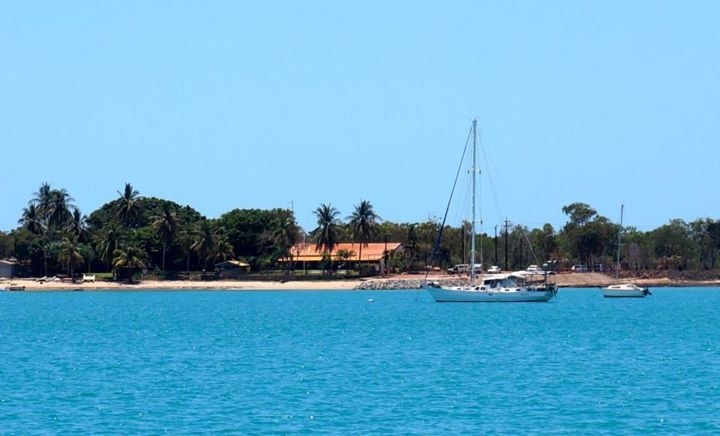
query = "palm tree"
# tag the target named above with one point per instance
(43, 198)
(54, 205)
(325, 234)
(204, 242)
(412, 243)
(185, 240)
(128, 206)
(165, 225)
(286, 235)
(129, 257)
(108, 242)
(60, 208)
(344, 255)
(32, 219)
(363, 225)
(222, 249)
(69, 253)
(78, 225)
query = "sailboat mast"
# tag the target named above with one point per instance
(617, 266)
(472, 226)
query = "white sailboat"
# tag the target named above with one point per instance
(521, 286)
(623, 290)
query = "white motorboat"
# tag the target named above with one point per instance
(627, 290)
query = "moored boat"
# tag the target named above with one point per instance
(498, 288)
(623, 290)
(523, 286)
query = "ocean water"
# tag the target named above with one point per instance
(338, 363)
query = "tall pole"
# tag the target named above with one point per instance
(385, 257)
(617, 266)
(495, 245)
(506, 243)
(472, 226)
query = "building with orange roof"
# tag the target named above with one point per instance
(373, 253)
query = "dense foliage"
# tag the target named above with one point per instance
(132, 233)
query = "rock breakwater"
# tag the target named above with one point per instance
(399, 284)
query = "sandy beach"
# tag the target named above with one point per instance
(574, 280)
(178, 285)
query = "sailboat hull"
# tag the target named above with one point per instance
(479, 294)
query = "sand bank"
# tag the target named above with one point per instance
(574, 280)
(34, 285)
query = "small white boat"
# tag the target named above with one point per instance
(623, 290)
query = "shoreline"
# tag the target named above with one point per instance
(575, 280)
(182, 285)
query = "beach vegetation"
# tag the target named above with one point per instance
(127, 260)
(131, 233)
(326, 233)
(127, 206)
(165, 225)
(69, 252)
(363, 224)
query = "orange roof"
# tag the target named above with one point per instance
(373, 251)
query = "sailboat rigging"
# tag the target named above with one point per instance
(521, 286)
(626, 290)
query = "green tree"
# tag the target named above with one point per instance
(701, 235)
(284, 235)
(186, 241)
(43, 200)
(129, 258)
(61, 209)
(69, 253)
(107, 241)
(222, 249)
(32, 219)
(673, 244)
(588, 234)
(204, 242)
(165, 226)
(363, 225)
(78, 226)
(343, 255)
(713, 230)
(412, 244)
(128, 206)
(325, 234)
(579, 213)
(54, 206)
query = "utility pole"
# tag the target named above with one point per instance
(507, 224)
(495, 245)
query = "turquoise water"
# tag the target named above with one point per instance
(334, 362)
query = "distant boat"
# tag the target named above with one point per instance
(627, 290)
(623, 290)
(522, 286)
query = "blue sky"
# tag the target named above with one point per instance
(223, 105)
